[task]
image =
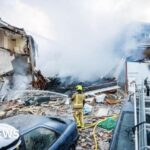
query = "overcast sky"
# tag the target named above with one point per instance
(77, 37)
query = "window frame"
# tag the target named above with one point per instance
(37, 127)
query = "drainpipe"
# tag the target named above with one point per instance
(135, 117)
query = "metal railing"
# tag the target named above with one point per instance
(135, 117)
(140, 111)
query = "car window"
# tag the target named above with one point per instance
(40, 139)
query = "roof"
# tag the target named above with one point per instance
(102, 90)
(144, 60)
(7, 26)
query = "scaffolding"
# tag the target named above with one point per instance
(141, 110)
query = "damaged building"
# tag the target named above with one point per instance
(17, 57)
(138, 65)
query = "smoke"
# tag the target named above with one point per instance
(21, 79)
(84, 38)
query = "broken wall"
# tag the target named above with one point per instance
(17, 58)
(5, 61)
(13, 42)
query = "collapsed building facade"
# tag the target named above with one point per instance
(17, 57)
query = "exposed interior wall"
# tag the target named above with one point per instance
(17, 59)
(1, 38)
(14, 42)
(5, 61)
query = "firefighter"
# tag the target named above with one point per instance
(78, 100)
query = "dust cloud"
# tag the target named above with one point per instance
(86, 39)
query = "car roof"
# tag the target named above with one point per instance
(26, 122)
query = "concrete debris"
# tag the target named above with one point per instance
(102, 112)
(87, 109)
(100, 98)
(59, 108)
(33, 97)
(40, 82)
(103, 136)
(112, 101)
(103, 145)
(51, 108)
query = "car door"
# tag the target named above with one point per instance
(40, 138)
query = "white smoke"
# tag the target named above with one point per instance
(78, 38)
(21, 79)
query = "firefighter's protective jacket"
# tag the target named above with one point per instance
(78, 100)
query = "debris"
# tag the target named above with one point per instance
(112, 96)
(11, 113)
(90, 99)
(40, 82)
(102, 112)
(2, 114)
(59, 107)
(100, 98)
(67, 102)
(17, 58)
(87, 109)
(103, 145)
(112, 101)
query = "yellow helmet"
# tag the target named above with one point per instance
(79, 88)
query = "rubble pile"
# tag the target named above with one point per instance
(86, 139)
(103, 136)
(60, 108)
(51, 108)
(100, 110)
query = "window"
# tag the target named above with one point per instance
(40, 139)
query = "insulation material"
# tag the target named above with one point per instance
(5, 62)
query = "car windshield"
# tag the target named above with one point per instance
(40, 139)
